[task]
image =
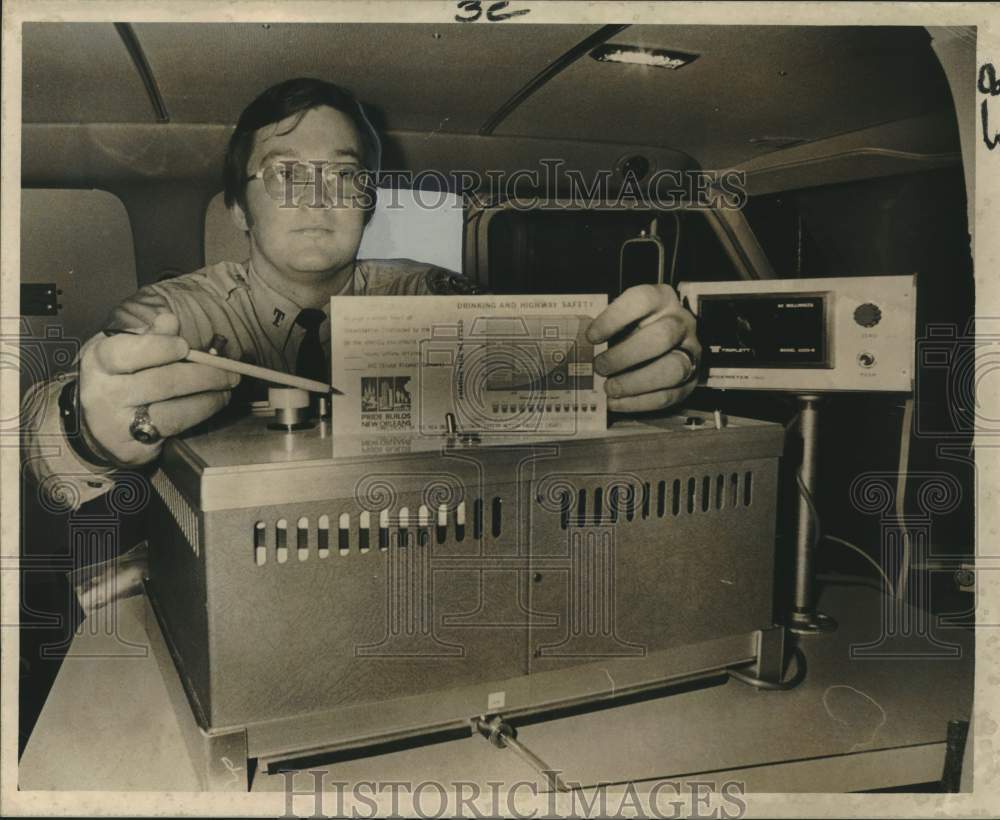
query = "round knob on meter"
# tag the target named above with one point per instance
(867, 315)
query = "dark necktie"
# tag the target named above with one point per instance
(311, 361)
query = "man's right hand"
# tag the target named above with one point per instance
(123, 372)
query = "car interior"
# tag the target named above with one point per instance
(847, 136)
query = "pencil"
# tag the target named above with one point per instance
(276, 376)
(233, 366)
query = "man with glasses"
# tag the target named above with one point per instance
(297, 180)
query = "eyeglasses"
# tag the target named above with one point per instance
(287, 181)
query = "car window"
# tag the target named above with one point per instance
(902, 224)
(578, 251)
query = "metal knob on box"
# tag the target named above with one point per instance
(291, 408)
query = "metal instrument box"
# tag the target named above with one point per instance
(836, 333)
(312, 603)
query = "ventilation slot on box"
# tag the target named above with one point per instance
(405, 528)
(497, 516)
(344, 533)
(486, 517)
(423, 526)
(281, 540)
(266, 535)
(323, 536)
(182, 512)
(365, 531)
(711, 493)
(419, 535)
(441, 524)
(260, 543)
(741, 489)
(477, 518)
(627, 503)
(302, 539)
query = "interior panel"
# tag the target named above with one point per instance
(80, 72)
(745, 79)
(81, 241)
(458, 88)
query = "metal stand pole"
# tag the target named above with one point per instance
(805, 620)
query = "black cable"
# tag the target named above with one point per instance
(775, 686)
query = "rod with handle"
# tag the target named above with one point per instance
(502, 735)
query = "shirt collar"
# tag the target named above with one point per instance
(276, 311)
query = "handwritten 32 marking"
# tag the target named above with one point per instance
(495, 12)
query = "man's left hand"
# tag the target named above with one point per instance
(654, 365)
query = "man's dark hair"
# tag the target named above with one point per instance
(287, 99)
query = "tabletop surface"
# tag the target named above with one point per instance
(869, 718)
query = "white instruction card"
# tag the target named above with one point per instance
(440, 366)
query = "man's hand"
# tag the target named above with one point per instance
(121, 373)
(647, 370)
